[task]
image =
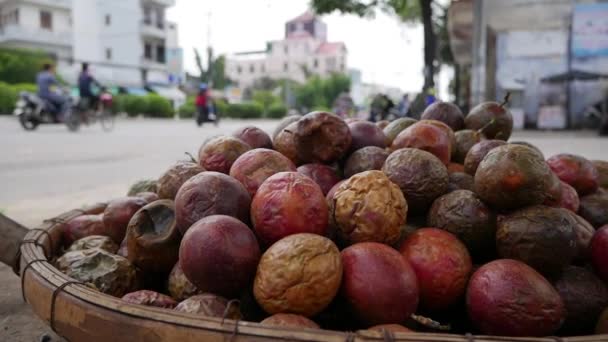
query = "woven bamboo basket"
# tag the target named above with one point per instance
(79, 313)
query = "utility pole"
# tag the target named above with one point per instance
(569, 67)
(209, 51)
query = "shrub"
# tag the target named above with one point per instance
(276, 111)
(21, 65)
(243, 111)
(8, 97)
(158, 107)
(188, 109)
(134, 105)
(29, 87)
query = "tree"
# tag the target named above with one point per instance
(21, 66)
(214, 73)
(406, 10)
(266, 99)
(319, 92)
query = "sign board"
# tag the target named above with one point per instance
(536, 43)
(551, 117)
(590, 30)
(518, 117)
(175, 63)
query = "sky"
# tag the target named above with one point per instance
(383, 49)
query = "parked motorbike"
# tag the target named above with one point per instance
(33, 111)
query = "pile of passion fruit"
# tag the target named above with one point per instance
(438, 224)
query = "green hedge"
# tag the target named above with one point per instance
(188, 109)
(8, 97)
(152, 105)
(9, 94)
(243, 111)
(276, 111)
(158, 107)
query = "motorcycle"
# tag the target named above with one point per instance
(33, 111)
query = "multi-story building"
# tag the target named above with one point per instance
(127, 42)
(304, 51)
(525, 47)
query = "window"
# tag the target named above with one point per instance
(160, 54)
(46, 20)
(315, 63)
(108, 20)
(263, 68)
(341, 66)
(251, 69)
(147, 16)
(286, 49)
(160, 18)
(239, 69)
(148, 51)
(285, 66)
(109, 54)
(9, 18)
(330, 63)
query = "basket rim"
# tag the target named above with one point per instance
(39, 268)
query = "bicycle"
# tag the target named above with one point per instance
(85, 113)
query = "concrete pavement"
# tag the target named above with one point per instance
(49, 171)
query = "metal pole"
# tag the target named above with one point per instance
(569, 69)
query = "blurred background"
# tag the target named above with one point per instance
(154, 65)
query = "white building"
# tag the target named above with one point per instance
(304, 50)
(126, 42)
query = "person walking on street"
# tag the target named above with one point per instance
(404, 106)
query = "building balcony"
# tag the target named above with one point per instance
(14, 33)
(165, 3)
(64, 4)
(153, 64)
(151, 29)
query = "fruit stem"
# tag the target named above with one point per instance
(490, 123)
(505, 100)
(192, 159)
(228, 306)
(429, 323)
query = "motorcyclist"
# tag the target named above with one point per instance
(85, 83)
(45, 80)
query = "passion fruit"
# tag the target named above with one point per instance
(368, 207)
(534, 234)
(509, 298)
(584, 296)
(577, 171)
(464, 214)
(173, 179)
(491, 118)
(428, 137)
(379, 285)
(477, 153)
(365, 159)
(420, 175)
(321, 137)
(445, 112)
(219, 153)
(442, 265)
(395, 127)
(255, 166)
(299, 274)
(465, 140)
(511, 177)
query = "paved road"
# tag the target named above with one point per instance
(50, 171)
